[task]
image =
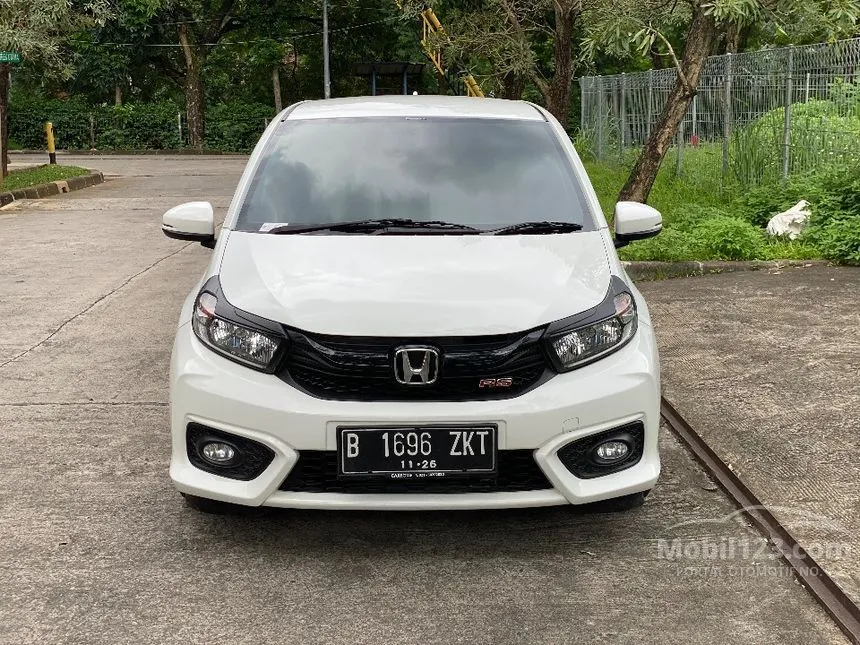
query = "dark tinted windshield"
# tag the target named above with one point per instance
(479, 172)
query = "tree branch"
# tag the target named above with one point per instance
(675, 60)
(219, 22)
(534, 73)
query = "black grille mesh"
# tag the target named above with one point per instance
(316, 472)
(361, 368)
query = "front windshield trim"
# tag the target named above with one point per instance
(571, 175)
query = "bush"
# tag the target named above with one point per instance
(822, 132)
(691, 216)
(728, 238)
(838, 240)
(834, 226)
(672, 245)
(236, 127)
(233, 127)
(757, 205)
(141, 126)
(71, 120)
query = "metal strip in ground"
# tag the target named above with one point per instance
(829, 594)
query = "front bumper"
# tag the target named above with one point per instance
(211, 390)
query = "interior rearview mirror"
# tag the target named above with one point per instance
(635, 221)
(193, 221)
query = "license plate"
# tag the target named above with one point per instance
(416, 452)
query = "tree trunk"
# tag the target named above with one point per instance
(276, 89)
(701, 35)
(4, 121)
(117, 95)
(744, 37)
(558, 89)
(513, 86)
(733, 37)
(193, 89)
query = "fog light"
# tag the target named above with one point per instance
(612, 451)
(218, 453)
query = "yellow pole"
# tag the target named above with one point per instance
(49, 134)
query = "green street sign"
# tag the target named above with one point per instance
(10, 57)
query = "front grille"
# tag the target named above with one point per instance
(316, 472)
(362, 368)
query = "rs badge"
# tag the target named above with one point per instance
(488, 383)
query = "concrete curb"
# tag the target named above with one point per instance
(164, 153)
(51, 188)
(645, 271)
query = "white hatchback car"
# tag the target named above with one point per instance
(414, 303)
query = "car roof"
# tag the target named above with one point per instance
(416, 106)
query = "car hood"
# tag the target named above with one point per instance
(414, 285)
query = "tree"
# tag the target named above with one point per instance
(109, 56)
(622, 26)
(524, 41)
(38, 29)
(200, 25)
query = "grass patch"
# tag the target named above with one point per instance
(40, 175)
(701, 219)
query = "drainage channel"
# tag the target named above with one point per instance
(829, 594)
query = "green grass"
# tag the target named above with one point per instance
(702, 220)
(670, 194)
(40, 175)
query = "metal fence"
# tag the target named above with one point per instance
(757, 116)
(132, 128)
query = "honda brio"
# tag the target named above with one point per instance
(414, 303)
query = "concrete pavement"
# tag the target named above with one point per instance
(764, 366)
(98, 548)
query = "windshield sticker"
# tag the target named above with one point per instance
(268, 226)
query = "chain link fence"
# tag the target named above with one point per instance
(757, 116)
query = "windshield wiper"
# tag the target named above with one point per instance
(373, 226)
(536, 228)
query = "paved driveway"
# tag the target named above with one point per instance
(96, 547)
(764, 366)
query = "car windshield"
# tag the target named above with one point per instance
(483, 173)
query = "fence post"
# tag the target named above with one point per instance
(806, 89)
(649, 114)
(694, 131)
(786, 127)
(92, 132)
(679, 142)
(601, 104)
(622, 115)
(179, 125)
(727, 114)
(582, 104)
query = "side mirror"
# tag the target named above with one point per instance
(194, 221)
(635, 221)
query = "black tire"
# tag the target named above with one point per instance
(620, 504)
(211, 506)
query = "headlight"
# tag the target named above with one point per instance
(239, 343)
(589, 342)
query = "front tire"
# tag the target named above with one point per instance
(211, 506)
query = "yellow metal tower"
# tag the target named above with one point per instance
(432, 27)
